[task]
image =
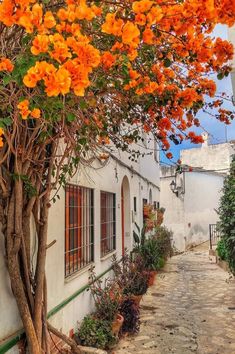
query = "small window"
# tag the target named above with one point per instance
(79, 228)
(107, 222)
(156, 205)
(135, 204)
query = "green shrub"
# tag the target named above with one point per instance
(150, 254)
(221, 249)
(161, 263)
(96, 333)
(163, 237)
(227, 216)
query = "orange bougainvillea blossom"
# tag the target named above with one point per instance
(146, 48)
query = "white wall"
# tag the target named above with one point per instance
(203, 192)
(174, 213)
(190, 214)
(210, 157)
(108, 178)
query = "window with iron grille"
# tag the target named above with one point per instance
(107, 222)
(79, 228)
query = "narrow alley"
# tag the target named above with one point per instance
(190, 309)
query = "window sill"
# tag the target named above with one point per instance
(79, 273)
(108, 255)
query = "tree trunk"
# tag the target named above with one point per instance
(15, 276)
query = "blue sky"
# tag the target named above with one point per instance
(216, 129)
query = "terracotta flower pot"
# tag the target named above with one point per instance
(136, 299)
(152, 275)
(117, 324)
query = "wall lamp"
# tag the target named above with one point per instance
(174, 188)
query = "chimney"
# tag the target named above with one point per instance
(206, 139)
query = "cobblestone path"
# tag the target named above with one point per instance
(190, 309)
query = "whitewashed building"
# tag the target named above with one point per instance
(92, 221)
(191, 198)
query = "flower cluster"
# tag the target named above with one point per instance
(25, 112)
(6, 65)
(158, 55)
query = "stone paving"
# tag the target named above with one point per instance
(190, 309)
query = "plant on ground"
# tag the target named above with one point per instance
(96, 333)
(106, 297)
(131, 313)
(227, 216)
(150, 254)
(130, 275)
(221, 249)
(164, 238)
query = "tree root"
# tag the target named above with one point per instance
(73, 345)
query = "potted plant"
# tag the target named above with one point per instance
(131, 276)
(131, 314)
(107, 300)
(96, 333)
(117, 324)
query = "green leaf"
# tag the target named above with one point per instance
(5, 122)
(220, 76)
(83, 104)
(167, 62)
(70, 117)
(6, 79)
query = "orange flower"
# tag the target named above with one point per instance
(169, 155)
(26, 22)
(6, 65)
(132, 54)
(112, 25)
(148, 36)
(40, 44)
(49, 20)
(86, 53)
(155, 15)
(6, 12)
(97, 10)
(108, 59)
(83, 12)
(188, 97)
(134, 74)
(140, 19)
(23, 107)
(58, 83)
(130, 34)
(61, 51)
(142, 6)
(117, 46)
(36, 113)
(152, 86)
(1, 131)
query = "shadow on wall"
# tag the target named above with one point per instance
(196, 235)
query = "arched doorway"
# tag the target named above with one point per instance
(125, 214)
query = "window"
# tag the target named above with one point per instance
(156, 205)
(107, 222)
(135, 204)
(79, 228)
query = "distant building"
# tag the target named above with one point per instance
(210, 157)
(191, 196)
